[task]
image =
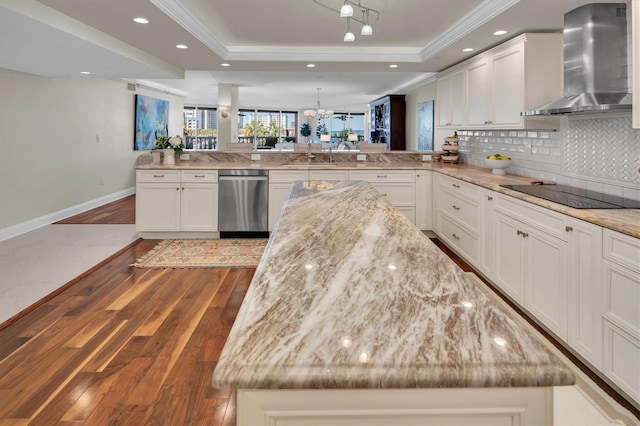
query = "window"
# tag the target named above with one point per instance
(200, 128)
(265, 128)
(340, 125)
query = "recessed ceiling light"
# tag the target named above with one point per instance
(141, 20)
(85, 72)
(500, 32)
(181, 46)
(311, 65)
(393, 66)
(224, 64)
(467, 49)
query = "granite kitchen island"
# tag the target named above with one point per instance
(355, 317)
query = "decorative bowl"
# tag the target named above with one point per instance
(498, 166)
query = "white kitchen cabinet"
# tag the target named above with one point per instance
(531, 263)
(328, 175)
(635, 52)
(458, 217)
(499, 84)
(452, 101)
(157, 200)
(478, 95)
(424, 196)
(168, 201)
(199, 200)
(485, 261)
(280, 182)
(621, 311)
(584, 311)
(398, 186)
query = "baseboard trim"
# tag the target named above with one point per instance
(39, 222)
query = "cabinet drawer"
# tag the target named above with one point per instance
(383, 175)
(465, 211)
(546, 220)
(208, 176)
(459, 187)
(621, 249)
(328, 175)
(287, 176)
(398, 194)
(157, 175)
(467, 244)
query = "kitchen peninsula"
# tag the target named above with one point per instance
(354, 315)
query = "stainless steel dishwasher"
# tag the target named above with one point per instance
(243, 202)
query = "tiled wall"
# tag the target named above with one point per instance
(600, 153)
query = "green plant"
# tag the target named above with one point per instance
(176, 143)
(305, 130)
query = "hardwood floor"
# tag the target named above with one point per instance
(124, 346)
(121, 211)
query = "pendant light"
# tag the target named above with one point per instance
(348, 37)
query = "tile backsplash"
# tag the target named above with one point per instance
(601, 152)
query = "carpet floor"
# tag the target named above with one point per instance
(208, 253)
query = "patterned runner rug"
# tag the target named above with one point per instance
(222, 253)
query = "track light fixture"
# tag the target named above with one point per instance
(347, 11)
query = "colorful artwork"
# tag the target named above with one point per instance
(425, 126)
(152, 120)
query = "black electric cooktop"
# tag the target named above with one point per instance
(577, 198)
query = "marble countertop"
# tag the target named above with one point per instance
(626, 221)
(349, 294)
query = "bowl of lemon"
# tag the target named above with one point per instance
(498, 163)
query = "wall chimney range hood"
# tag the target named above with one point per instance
(594, 60)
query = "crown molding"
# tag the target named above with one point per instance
(180, 14)
(481, 14)
(324, 54)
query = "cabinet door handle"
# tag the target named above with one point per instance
(381, 176)
(455, 207)
(524, 234)
(568, 228)
(455, 185)
(183, 188)
(177, 189)
(519, 232)
(489, 198)
(455, 236)
(158, 176)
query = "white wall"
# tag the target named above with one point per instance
(414, 97)
(48, 130)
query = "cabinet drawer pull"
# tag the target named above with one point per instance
(198, 176)
(158, 176)
(524, 234)
(455, 236)
(519, 232)
(489, 198)
(455, 185)
(568, 228)
(455, 207)
(177, 189)
(381, 176)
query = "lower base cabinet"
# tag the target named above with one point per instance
(531, 267)
(173, 201)
(621, 311)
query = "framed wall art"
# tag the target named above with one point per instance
(425, 126)
(151, 121)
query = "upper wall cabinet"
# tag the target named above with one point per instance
(493, 88)
(635, 46)
(451, 99)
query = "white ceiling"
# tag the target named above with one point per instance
(267, 43)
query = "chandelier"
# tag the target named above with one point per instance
(319, 112)
(347, 11)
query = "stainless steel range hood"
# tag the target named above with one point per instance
(595, 62)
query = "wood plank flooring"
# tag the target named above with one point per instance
(128, 346)
(121, 211)
(124, 346)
